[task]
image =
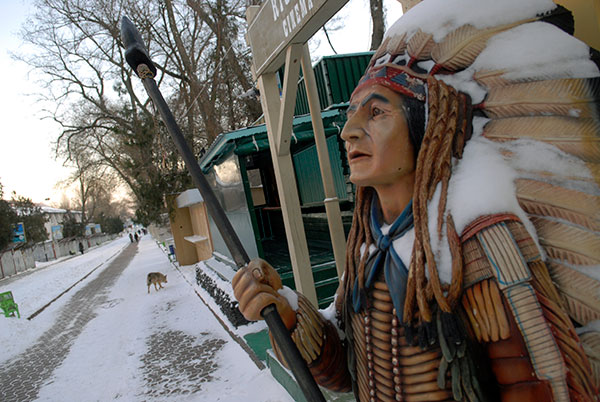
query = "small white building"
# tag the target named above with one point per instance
(55, 218)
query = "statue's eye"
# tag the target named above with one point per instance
(375, 111)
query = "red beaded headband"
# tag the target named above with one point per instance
(397, 78)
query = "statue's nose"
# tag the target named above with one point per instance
(353, 129)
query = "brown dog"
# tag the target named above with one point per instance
(155, 278)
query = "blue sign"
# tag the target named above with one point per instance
(90, 229)
(57, 232)
(19, 233)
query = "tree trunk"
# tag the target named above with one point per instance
(377, 16)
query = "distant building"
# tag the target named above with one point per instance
(55, 218)
(92, 228)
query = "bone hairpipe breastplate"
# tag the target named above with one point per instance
(388, 368)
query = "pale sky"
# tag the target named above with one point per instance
(27, 163)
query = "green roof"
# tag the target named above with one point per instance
(254, 139)
(336, 77)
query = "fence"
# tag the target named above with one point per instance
(18, 260)
(14, 261)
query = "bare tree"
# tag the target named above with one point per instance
(65, 203)
(378, 20)
(227, 22)
(94, 183)
(202, 61)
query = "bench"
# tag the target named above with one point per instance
(8, 305)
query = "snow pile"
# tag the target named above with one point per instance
(592, 326)
(290, 295)
(440, 17)
(482, 184)
(532, 156)
(536, 51)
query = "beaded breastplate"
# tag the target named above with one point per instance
(388, 368)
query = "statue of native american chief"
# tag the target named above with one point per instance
(473, 260)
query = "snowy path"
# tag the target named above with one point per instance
(110, 340)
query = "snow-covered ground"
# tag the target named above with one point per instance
(126, 346)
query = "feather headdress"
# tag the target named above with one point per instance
(535, 92)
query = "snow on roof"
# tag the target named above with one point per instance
(50, 210)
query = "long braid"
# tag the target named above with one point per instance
(441, 160)
(444, 137)
(360, 234)
(463, 133)
(457, 265)
(432, 155)
(350, 272)
(443, 166)
(366, 239)
(420, 196)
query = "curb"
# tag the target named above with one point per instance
(73, 285)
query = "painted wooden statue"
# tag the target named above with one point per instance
(473, 142)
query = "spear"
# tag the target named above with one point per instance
(138, 59)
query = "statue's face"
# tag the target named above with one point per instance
(376, 137)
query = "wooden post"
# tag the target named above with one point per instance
(275, 28)
(332, 203)
(279, 116)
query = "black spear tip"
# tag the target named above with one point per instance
(135, 51)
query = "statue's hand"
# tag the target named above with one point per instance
(255, 287)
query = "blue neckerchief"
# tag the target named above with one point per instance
(396, 274)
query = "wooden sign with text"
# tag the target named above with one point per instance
(280, 23)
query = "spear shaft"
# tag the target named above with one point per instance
(139, 60)
(212, 204)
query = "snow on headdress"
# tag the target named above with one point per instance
(540, 89)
